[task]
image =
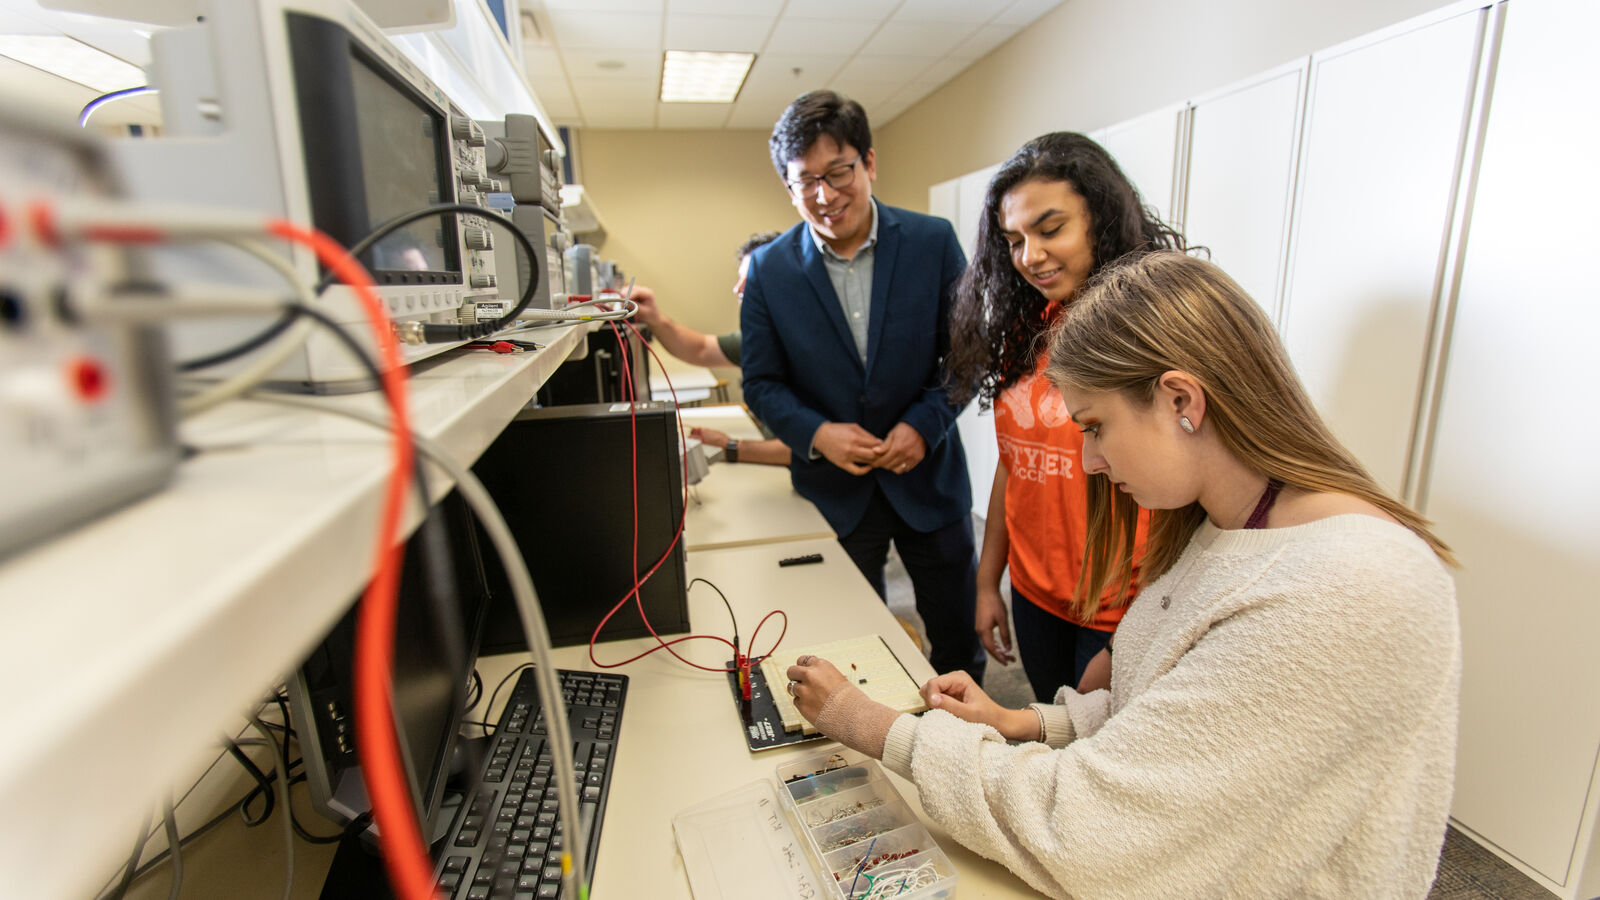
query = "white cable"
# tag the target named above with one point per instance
(533, 624)
(283, 801)
(281, 349)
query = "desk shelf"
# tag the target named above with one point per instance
(132, 641)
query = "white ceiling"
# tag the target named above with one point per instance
(597, 63)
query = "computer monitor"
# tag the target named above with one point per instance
(303, 109)
(433, 659)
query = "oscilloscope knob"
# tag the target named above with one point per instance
(463, 128)
(478, 238)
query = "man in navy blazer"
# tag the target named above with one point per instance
(845, 323)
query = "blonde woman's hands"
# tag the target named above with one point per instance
(956, 693)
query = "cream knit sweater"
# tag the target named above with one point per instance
(1281, 723)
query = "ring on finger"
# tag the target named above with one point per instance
(790, 687)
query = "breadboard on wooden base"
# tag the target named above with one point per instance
(866, 661)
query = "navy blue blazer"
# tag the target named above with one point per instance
(801, 368)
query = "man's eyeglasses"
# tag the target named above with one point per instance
(839, 177)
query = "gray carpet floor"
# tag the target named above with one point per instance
(1467, 871)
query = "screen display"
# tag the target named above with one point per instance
(402, 169)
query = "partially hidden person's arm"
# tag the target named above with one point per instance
(766, 370)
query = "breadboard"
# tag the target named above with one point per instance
(867, 661)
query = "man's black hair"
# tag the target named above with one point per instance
(811, 116)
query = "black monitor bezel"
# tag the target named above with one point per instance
(334, 776)
(321, 54)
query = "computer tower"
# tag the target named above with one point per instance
(563, 479)
(598, 375)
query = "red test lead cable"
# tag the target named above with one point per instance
(377, 743)
(639, 580)
(405, 852)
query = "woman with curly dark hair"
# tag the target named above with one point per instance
(1057, 211)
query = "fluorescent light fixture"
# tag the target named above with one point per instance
(71, 59)
(695, 76)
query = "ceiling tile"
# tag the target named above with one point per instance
(757, 115)
(606, 30)
(829, 36)
(692, 115)
(944, 11)
(773, 78)
(562, 107)
(866, 93)
(633, 6)
(983, 41)
(591, 90)
(637, 65)
(543, 64)
(945, 69)
(619, 114)
(1025, 12)
(929, 39)
(747, 34)
(895, 70)
(888, 110)
(876, 10)
(727, 7)
(913, 91)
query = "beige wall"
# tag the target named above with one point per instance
(677, 205)
(1092, 63)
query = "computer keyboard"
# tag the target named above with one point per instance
(507, 841)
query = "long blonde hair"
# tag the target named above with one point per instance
(1151, 313)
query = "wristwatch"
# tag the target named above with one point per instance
(730, 453)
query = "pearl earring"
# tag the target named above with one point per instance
(1185, 424)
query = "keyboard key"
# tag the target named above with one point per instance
(513, 820)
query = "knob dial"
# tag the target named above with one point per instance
(463, 128)
(478, 238)
(483, 281)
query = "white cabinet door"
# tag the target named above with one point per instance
(1515, 483)
(973, 186)
(1383, 135)
(944, 200)
(977, 430)
(1146, 151)
(1241, 176)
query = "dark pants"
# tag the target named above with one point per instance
(943, 573)
(1054, 651)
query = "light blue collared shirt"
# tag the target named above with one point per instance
(852, 281)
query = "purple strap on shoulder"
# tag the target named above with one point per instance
(1258, 519)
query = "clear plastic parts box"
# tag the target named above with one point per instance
(833, 827)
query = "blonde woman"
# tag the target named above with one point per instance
(1269, 731)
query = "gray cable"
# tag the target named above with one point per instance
(283, 801)
(133, 861)
(282, 348)
(505, 544)
(174, 845)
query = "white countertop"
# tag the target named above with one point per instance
(130, 642)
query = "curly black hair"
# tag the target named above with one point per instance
(998, 318)
(811, 116)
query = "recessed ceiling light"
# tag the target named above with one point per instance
(71, 59)
(695, 76)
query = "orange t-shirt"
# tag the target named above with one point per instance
(1047, 506)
